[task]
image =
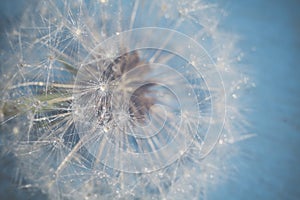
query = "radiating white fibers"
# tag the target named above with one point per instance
(135, 100)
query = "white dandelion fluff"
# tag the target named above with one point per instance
(113, 99)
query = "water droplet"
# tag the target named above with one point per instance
(181, 152)
(114, 68)
(103, 87)
(16, 130)
(160, 174)
(106, 129)
(146, 170)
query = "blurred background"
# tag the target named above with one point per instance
(268, 166)
(269, 32)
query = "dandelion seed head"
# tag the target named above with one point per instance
(116, 104)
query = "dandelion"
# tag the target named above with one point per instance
(107, 99)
